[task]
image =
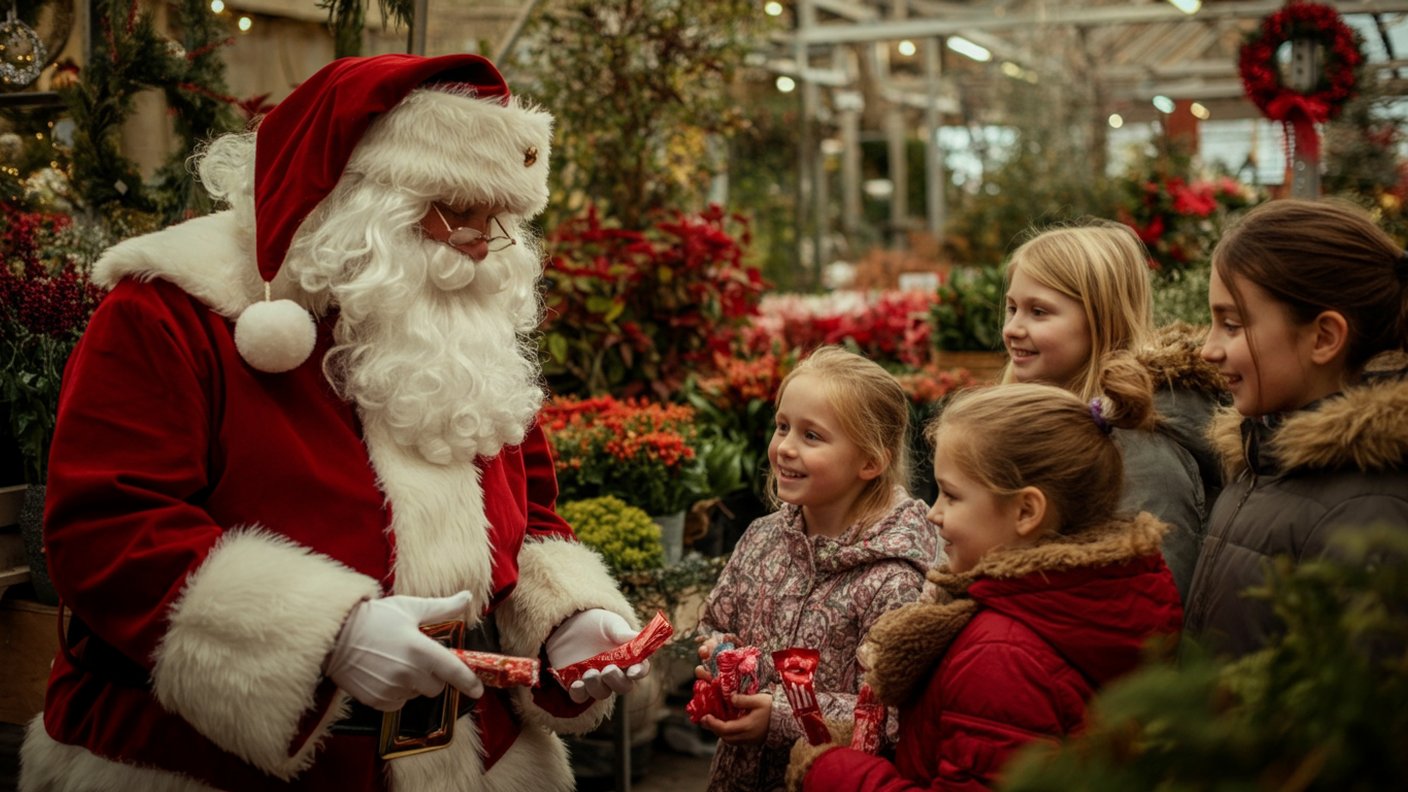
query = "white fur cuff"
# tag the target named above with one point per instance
(556, 578)
(247, 638)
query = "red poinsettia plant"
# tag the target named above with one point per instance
(45, 302)
(890, 326)
(630, 309)
(1179, 220)
(642, 452)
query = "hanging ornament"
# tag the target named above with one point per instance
(22, 54)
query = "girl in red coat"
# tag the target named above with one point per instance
(1047, 596)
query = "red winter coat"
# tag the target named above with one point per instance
(1019, 654)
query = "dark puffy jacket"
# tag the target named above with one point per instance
(1295, 481)
(1012, 659)
(1172, 472)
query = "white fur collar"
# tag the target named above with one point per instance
(211, 258)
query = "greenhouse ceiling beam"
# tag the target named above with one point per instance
(851, 10)
(1119, 15)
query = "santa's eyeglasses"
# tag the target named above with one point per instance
(463, 235)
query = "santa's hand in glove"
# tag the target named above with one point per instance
(383, 660)
(588, 634)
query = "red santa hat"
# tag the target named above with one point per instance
(446, 126)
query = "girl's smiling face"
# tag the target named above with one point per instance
(1046, 333)
(972, 520)
(1274, 374)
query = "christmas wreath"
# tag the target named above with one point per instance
(1339, 80)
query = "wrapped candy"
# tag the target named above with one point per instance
(797, 667)
(636, 650)
(870, 722)
(734, 671)
(496, 670)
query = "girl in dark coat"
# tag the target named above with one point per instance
(1047, 594)
(1308, 298)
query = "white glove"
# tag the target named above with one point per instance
(588, 634)
(382, 659)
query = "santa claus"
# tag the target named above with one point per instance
(296, 431)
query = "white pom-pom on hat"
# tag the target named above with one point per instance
(275, 336)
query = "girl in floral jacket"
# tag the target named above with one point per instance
(847, 545)
(1048, 593)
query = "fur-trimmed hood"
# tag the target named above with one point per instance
(1364, 427)
(1173, 358)
(1034, 585)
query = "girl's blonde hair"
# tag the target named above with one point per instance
(1315, 256)
(873, 412)
(1103, 266)
(1011, 436)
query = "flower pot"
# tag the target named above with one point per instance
(31, 522)
(985, 365)
(671, 535)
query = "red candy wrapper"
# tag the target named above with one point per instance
(796, 666)
(645, 644)
(496, 670)
(735, 671)
(870, 722)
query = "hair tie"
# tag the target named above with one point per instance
(1097, 415)
(1400, 267)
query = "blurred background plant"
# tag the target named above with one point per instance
(640, 451)
(635, 311)
(46, 297)
(625, 536)
(968, 313)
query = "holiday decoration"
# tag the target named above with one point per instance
(1337, 83)
(22, 54)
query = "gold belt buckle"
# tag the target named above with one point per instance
(426, 723)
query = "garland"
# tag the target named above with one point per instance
(1338, 82)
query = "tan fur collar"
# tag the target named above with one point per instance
(1364, 428)
(904, 644)
(1173, 358)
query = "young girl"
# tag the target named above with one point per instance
(1047, 594)
(1077, 293)
(1304, 296)
(847, 545)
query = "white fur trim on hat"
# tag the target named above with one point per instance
(461, 148)
(275, 336)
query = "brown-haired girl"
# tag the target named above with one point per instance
(1307, 297)
(1047, 594)
(847, 545)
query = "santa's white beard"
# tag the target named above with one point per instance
(436, 349)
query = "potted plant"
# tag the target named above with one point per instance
(968, 322)
(46, 298)
(641, 451)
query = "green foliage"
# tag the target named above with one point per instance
(629, 310)
(639, 88)
(347, 19)
(130, 56)
(1182, 296)
(624, 535)
(1325, 708)
(970, 311)
(1046, 176)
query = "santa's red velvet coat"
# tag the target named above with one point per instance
(212, 526)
